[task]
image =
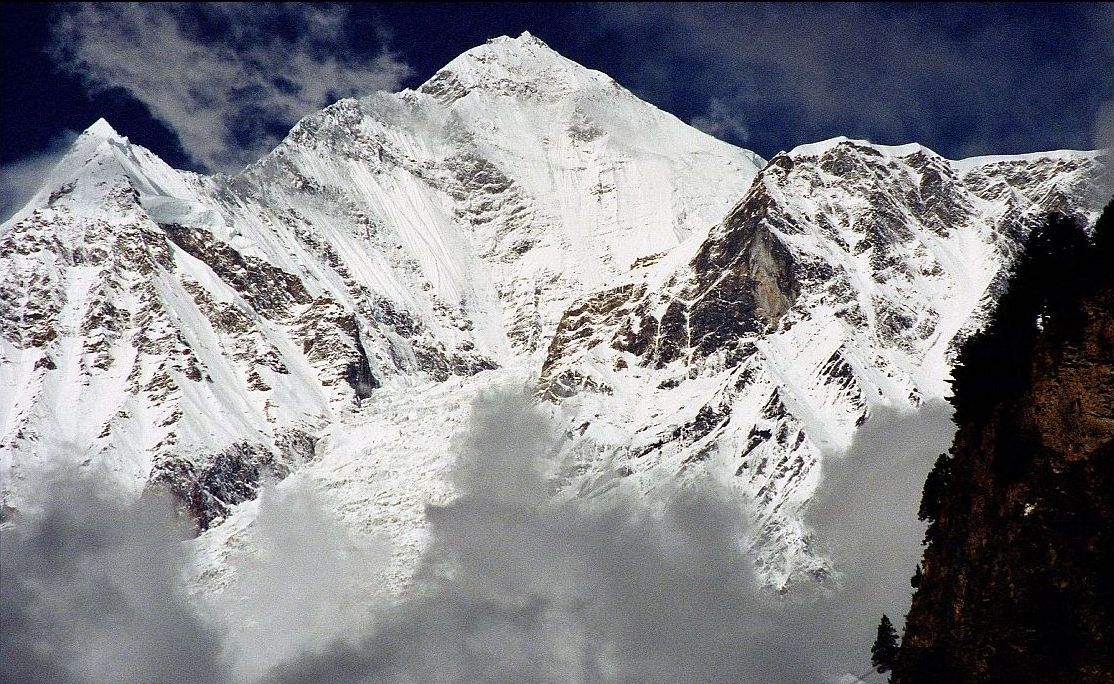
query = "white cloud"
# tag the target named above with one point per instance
(518, 583)
(20, 179)
(722, 121)
(301, 583)
(229, 79)
(1104, 127)
(92, 592)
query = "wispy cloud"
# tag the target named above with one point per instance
(22, 178)
(229, 79)
(1104, 140)
(723, 121)
(1104, 127)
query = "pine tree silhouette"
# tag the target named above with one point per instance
(932, 495)
(884, 653)
(1103, 238)
(1049, 276)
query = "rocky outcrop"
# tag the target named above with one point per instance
(206, 489)
(1017, 576)
(739, 283)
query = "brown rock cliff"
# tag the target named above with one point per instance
(1018, 572)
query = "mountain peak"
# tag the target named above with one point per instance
(525, 65)
(818, 148)
(524, 39)
(101, 130)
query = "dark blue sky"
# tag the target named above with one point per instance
(211, 87)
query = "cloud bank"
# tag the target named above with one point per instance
(92, 592)
(521, 585)
(300, 583)
(229, 79)
(521, 582)
(524, 584)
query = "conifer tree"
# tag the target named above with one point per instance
(933, 490)
(1048, 277)
(883, 655)
(1104, 245)
(918, 576)
(933, 494)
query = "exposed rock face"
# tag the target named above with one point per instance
(746, 282)
(208, 488)
(1018, 582)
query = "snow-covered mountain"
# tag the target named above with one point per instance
(199, 327)
(333, 307)
(841, 282)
